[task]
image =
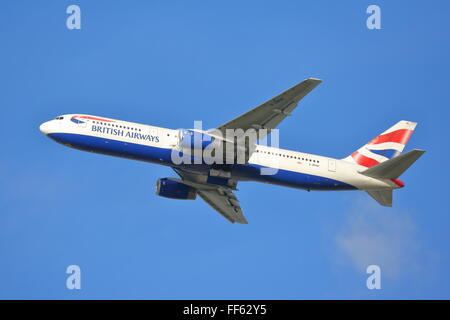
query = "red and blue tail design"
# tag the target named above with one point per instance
(384, 147)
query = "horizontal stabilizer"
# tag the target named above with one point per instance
(393, 168)
(383, 197)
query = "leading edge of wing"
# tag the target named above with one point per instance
(270, 113)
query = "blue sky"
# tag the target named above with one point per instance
(170, 63)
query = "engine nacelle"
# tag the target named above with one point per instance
(175, 190)
(190, 140)
(228, 150)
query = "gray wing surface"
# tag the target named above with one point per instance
(225, 202)
(221, 198)
(269, 114)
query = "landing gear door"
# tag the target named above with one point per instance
(332, 165)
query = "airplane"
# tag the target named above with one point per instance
(374, 168)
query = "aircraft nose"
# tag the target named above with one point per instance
(45, 127)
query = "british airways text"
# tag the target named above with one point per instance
(127, 134)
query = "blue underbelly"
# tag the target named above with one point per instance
(289, 178)
(248, 172)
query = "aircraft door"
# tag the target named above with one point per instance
(153, 132)
(332, 165)
(173, 139)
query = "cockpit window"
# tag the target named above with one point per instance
(59, 118)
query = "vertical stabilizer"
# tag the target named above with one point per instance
(384, 147)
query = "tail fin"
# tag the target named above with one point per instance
(384, 147)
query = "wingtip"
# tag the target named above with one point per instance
(241, 221)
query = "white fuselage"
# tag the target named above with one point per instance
(156, 144)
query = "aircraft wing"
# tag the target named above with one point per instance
(269, 114)
(221, 198)
(225, 202)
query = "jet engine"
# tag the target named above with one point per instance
(228, 150)
(190, 140)
(175, 190)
